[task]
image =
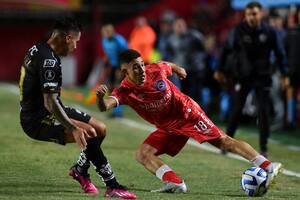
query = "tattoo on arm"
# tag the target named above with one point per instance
(53, 106)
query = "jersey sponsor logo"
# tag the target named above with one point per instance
(158, 103)
(49, 75)
(50, 85)
(160, 85)
(49, 63)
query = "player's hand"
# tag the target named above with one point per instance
(181, 73)
(79, 137)
(101, 91)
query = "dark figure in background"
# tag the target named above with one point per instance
(45, 118)
(249, 46)
(186, 48)
(292, 45)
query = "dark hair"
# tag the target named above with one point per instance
(66, 25)
(254, 4)
(128, 55)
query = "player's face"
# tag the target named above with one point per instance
(253, 16)
(136, 71)
(71, 41)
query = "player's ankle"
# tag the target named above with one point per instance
(166, 174)
(262, 162)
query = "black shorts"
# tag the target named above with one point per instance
(48, 129)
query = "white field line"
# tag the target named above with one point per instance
(134, 124)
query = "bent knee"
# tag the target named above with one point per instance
(144, 153)
(228, 143)
(101, 129)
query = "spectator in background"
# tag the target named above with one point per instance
(142, 38)
(186, 48)
(277, 22)
(165, 31)
(292, 45)
(209, 85)
(212, 63)
(250, 44)
(113, 44)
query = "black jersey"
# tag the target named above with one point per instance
(40, 73)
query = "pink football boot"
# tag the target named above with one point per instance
(84, 181)
(119, 192)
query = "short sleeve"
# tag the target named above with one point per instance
(119, 95)
(50, 74)
(165, 68)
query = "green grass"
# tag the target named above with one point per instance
(35, 170)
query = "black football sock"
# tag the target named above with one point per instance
(95, 155)
(83, 164)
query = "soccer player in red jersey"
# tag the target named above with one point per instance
(177, 117)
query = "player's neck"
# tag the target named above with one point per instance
(131, 81)
(53, 45)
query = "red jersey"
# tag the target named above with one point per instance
(158, 100)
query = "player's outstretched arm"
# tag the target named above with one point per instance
(181, 73)
(104, 104)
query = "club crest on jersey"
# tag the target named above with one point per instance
(161, 85)
(49, 75)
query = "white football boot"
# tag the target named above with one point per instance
(276, 167)
(172, 188)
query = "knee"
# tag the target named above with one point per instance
(99, 126)
(227, 144)
(100, 129)
(142, 155)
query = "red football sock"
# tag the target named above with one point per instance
(170, 176)
(265, 164)
(261, 162)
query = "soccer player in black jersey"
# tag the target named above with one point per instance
(44, 117)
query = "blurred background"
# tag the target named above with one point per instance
(26, 22)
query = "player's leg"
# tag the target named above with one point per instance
(232, 145)
(245, 150)
(160, 142)
(94, 153)
(79, 171)
(205, 130)
(81, 119)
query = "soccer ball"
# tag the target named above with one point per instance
(253, 181)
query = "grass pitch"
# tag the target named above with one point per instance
(33, 170)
